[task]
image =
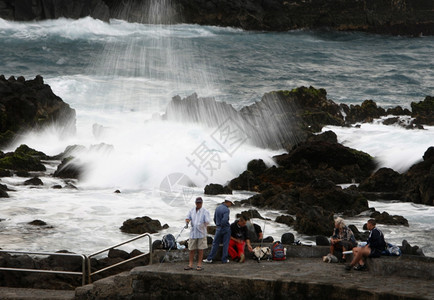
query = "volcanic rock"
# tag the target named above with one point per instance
(419, 180)
(385, 218)
(360, 236)
(142, 225)
(250, 214)
(216, 189)
(423, 111)
(314, 220)
(23, 159)
(68, 168)
(288, 220)
(34, 181)
(365, 112)
(30, 104)
(407, 249)
(37, 223)
(3, 191)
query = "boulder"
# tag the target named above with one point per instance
(250, 214)
(383, 180)
(419, 180)
(247, 181)
(69, 168)
(360, 236)
(30, 104)
(423, 111)
(142, 225)
(23, 159)
(314, 220)
(287, 238)
(366, 112)
(407, 249)
(216, 189)
(288, 220)
(3, 191)
(385, 218)
(256, 166)
(37, 223)
(334, 161)
(33, 181)
(117, 253)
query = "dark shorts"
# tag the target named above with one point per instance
(375, 253)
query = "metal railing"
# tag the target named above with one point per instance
(122, 262)
(83, 264)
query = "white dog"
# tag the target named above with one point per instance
(330, 258)
(262, 253)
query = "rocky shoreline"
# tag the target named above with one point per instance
(402, 17)
(304, 182)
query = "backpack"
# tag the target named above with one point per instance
(169, 242)
(277, 251)
(391, 250)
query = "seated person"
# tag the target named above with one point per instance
(254, 232)
(374, 246)
(239, 239)
(343, 238)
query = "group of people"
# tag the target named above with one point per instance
(234, 237)
(343, 239)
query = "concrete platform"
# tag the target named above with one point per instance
(298, 278)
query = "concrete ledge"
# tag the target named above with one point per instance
(297, 278)
(408, 266)
(291, 251)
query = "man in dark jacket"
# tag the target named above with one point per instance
(374, 246)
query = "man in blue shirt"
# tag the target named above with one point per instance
(199, 219)
(223, 231)
(374, 246)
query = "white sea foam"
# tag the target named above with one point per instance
(392, 146)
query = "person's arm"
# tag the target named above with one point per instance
(249, 246)
(225, 217)
(188, 219)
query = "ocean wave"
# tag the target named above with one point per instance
(93, 29)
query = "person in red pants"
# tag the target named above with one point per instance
(239, 239)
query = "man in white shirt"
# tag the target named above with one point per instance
(199, 219)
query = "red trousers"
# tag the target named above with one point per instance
(236, 249)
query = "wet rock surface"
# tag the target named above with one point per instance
(392, 17)
(29, 104)
(141, 225)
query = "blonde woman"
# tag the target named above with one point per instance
(343, 238)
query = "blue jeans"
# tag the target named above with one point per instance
(222, 235)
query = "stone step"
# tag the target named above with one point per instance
(8, 293)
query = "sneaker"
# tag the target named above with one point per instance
(225, 262)
(360, 268)
(207, 261)
(242, 258)
(348, 267)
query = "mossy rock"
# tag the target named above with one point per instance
(21, 161)
(423, 111)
